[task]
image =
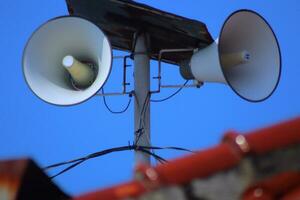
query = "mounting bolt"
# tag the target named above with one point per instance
(198, 83)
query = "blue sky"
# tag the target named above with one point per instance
(195, 119)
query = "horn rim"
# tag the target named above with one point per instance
(278, 48)
(28, 41)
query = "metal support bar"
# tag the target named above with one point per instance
(198, 85)
(124, 83)
(118, 57)
(158, 77)
(161, 52)
(125, 66)
(112, 94)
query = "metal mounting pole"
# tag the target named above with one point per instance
(141, 88)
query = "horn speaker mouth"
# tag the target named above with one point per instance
(50, 43)
(256, 79)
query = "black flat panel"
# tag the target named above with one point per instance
(121, 19)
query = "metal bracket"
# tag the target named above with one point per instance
(196, 84)
(158, 77)
(124, 83)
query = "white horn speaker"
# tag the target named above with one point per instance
(246, 57)
(67, 60)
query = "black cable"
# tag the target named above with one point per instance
(115, 112)
(172, 95)
(100, 153)
(78, 161)
(116, 149)
(140, 131)
(171, 148)
(142, 119)
(67, 169)
(157, 157)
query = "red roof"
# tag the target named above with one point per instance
(234, 148)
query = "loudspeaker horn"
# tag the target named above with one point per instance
(246, 56)
(67, 60)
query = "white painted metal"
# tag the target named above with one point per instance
(211, 68)
(246, 57)
(205, 65)
(45, 50)
(142, 89)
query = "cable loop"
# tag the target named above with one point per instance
(172, 95)
(116, 112)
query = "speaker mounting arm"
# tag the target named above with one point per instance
(158, 77)
(124, 82)
(196, 84)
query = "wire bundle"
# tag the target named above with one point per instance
(75, 162)
(138, 134)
